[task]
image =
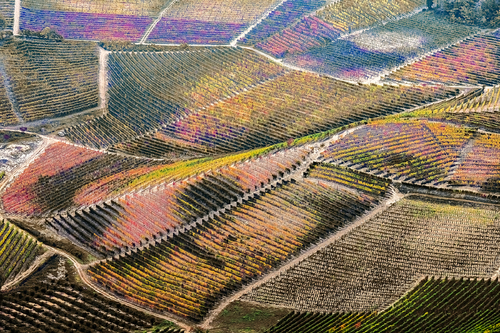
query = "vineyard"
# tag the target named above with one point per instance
(474, 61)
(7, 115)
(412, 151)
(137, 82)
(479, 110)
(52, 302)
(139, 218)
(222, 253)
(481, 166)
(7, 12)
(288, 13)
(17, 251)
(86, 26)
(207, 22)
(127, 7)
(48, 186)
(381, 49)
(372, 266)
(229, 166)
(329, 23)
(289, 106)
(49, 78)
(436, 304)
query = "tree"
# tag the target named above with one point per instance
(430, 3)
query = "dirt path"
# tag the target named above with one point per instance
(103, 77)
(257, 22)
(155, 22)
(38, 261)
(81, 270)
(318, 247)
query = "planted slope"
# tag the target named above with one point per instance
(373, 265)
(207, 22)
(169, 85)
(52, 182)
(86, 26)
(480, 166)
(17, 251)
(7, 12)
(364, 183)
(435, 305)
(288, 107)
(189, 272)
(133, 220)
(51, 78)
(474, 61)
(48, 302)
(123, 7)
(411, 151)
(383, 48)
(332, 21)
(285, 15)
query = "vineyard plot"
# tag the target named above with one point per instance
(374, 264)
(290, 106)
(51, 301)
(435, 305)
(18, 250)
(189, 272)
(53, 181)
(49, 78)
(329, 23)
(136, 219)
(474, 61)
(481, 166)
(408, 150)
(170, 85)
(375, 51)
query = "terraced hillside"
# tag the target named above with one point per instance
(472, 62)
(18, 251)
(372, 266)
(407, 150)
(48, 78)
(52, 182)
(137, 82)
(375, 51)
(436, 304)
(221, 253)
(329, 23)
(479, 110)
(207, 22)
(139, 218)
(7, 12)
(286, 107)
(52, 301)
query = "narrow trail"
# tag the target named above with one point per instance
(103, 77)
(318, 247)
(155, 22)
(81, 270)
(17, 17)
(251, 27)
(38, 261)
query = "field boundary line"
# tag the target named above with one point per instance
(396, 196)
(38, 261)
(257, 22)
(103, 77)
(80, 268)
(17, 17)
(155, 22)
